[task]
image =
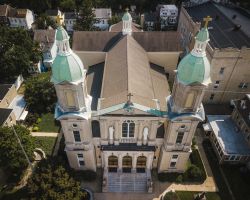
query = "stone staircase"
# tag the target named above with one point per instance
(127, 182)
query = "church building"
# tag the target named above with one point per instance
(117, 113)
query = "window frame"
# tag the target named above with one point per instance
(74, 135)
(128, 129)
(178, 135)
(80, 159)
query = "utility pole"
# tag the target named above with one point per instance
(20, 143)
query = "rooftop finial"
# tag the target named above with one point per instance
(127, 9)
(207, 20)
(59, 20)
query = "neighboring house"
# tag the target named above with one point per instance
(69, 21)
(150, 21)
(4, 12)
(230, 135)
(12, 105)
(54, 13)
(46, 39)
(228, 52)
(102, 15)
(21, 18)
(168, 15)
(115, 105)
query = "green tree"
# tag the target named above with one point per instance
(68, 5)
(40, 93)
(50, 180)
(86, 18)
(12, 158)
(17, 53)
(114, 19)
(44, 21)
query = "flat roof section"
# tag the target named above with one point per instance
(231, 140)
(221, 29)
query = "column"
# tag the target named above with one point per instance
(134, 160)
(106, 162)
(117, 132)
(153, 129)
(119, 163)
(149, 161)
(139, 139)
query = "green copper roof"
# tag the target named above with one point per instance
(61, 34)
(67, 68)
(203, 35)
(193, 69)
(126, 17)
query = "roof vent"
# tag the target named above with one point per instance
(237, 27)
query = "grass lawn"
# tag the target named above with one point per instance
(184, 195)
(46, 144)
(48, 123)
(239, 183)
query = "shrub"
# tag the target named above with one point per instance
(35, 129)
(87, 175)
(170, 177)
(31, 119)
(171, 196)
(39, 120)
(194, 173)
(179, 179)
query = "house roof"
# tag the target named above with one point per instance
(221, 29)
(231, 141)
(4, 89)
(103, 41)
(45, 37)
(52, 12)
(21, 13)
(4, 114)
(133, 76)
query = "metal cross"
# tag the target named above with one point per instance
(206, 20)
(129, 97)
(127, 9)
(58, 20)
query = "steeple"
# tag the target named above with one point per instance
(127, 23)
(69, 76)
(193, 75)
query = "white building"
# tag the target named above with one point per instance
(102, 15)
(168, 15)
(69, 21)
(21, 18)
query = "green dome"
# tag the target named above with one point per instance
(126, 17)
(193, 69)
(61, 34)
(67, 68)
(203, 35)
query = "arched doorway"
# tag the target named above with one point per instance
(141, 164)
(112, 163)
(126, 164)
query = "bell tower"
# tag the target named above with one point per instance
(127, 23)
(185, 105)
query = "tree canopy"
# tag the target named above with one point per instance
(51, 180)
(12, 158)
(86, 18)
(40, 93)
(17, 53)
(44, 21)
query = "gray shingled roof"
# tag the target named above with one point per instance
(104, 41)
(4, 89)
(45, 37)
(4, 114)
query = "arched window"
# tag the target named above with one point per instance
(128, 128)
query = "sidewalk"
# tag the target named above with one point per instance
(44, 134)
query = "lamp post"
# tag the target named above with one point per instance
(20, 143)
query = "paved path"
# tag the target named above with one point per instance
(240, 19)
(44, 134)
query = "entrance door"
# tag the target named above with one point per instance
(112, 163)
(126, 164)
(141, 164)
